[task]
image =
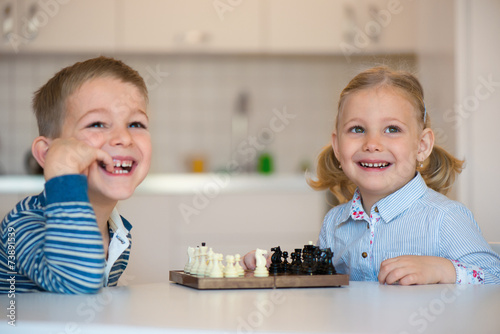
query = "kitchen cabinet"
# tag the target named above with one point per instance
(341, 27)
(190, 26)
(57, 26)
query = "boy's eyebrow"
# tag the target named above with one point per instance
(100, 110)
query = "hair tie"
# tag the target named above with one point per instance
(425, 113)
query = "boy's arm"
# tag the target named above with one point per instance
(63, 251)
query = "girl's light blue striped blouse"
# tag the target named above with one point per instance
(414, 220)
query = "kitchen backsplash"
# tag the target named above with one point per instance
(207, 112)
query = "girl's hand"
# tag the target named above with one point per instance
(249, 262)
(72, 156)
(413, 269)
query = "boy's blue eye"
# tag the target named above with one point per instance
(96, 125)
(392, 129)
(137, 125)
(356, 129)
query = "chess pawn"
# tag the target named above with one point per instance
(230, 271)
(210, 262)
(216, 271)
(189, 263)
(285, 266)
(203, 261)
(196, 264)
(260, 259)
(239, 268)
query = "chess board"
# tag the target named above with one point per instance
(250, 282)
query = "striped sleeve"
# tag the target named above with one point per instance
(58, 245)
(463, 243)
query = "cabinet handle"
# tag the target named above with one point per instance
(193, 37)
(7, 22)
(31, 25)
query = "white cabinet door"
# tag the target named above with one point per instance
(58, 25)
(341, 27)
(189, 25)
(297, 26)
(8, 26)
(388, 26)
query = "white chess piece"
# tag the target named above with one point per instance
(260, 259)
(216, 271)
(196, 263)
(230, 271)
(210, 262)
(203, 261)
(189, 263)
(237, 265)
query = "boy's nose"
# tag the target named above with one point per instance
(121, 137)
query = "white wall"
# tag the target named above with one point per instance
(477, 109)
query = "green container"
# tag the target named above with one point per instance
(265, 165)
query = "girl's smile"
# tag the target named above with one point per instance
(378, 142)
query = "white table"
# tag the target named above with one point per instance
(361, 307)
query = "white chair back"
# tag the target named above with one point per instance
(495, 246)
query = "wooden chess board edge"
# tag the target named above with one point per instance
(250, 282)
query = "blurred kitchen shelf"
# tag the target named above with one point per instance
(182, 183)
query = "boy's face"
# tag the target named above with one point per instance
(110, 115)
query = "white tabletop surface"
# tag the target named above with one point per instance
(361, 307)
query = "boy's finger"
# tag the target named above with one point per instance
(105, 159)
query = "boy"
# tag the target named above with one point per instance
(95, 149)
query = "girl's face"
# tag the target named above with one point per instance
(378, 142)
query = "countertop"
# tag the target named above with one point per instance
(181, 183)
(361, 307)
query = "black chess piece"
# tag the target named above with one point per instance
(285, 266)
(275, 266)
(297, 262)
(329, 268)
(308, 267)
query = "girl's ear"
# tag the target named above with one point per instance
(335, 145)
(39, 149)
(425, 145)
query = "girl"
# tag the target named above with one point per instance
(396, 226)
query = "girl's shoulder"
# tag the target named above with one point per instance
(338, 213)
(443, 205)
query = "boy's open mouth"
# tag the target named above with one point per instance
(120, 166)
(374, 165)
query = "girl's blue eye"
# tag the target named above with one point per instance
(356, 129)
(392, 129)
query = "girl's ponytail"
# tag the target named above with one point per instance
(330, 176)
(440, 169)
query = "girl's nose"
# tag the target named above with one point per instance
(372, 143)
(121, 137)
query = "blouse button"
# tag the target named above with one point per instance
(364, 255)
(376, 209)
(368, 225)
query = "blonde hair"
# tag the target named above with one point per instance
(49, 102)
(439, 169)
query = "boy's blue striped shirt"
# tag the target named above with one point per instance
(57, 245)
(415, 220)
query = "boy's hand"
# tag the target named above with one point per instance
(413, 269)
(72, 156)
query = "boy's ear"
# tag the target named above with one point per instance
(426, 144)
(39, 149)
